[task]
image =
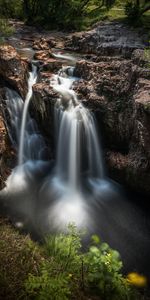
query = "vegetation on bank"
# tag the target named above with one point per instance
(5, 29)
(74, 14)
(60, 269)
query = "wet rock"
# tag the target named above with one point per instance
(132, 170)
(47, 61)
(13, 69)
(42, 107)
(44, 44)
(43, 55)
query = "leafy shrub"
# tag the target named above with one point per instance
(68, 269)
(44, 287)
(104, 273)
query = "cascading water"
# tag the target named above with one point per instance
(77, 137)
(22, 129)
(22, 184)
(31, 81)
(43, 196)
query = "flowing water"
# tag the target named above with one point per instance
(32, 80)
(43, 196)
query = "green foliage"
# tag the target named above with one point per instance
(11, 9)
(5, 29)
(134, 9)
(104, 267)
(45, 287)
(63, 14)
(67, 270)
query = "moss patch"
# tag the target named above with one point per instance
(19, 256)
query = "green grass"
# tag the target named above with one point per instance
(95, 15)
(116, 13)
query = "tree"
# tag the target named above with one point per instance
(135, 9)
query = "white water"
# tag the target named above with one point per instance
(22, 129)
(77, 137)
(65, 57)
(32, 80)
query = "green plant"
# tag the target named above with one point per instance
(68, 270)
(46, 287)
(104, 272)
(54, 280)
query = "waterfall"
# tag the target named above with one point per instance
(43, 197)
(22, 129)
(76, 134)
(78, 156)
(32, 80)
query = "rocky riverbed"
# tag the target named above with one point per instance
(114, 83)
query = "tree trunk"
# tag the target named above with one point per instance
(26, 7)
(144, 9)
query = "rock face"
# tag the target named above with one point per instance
(42, 107)
(13, 74)
(6, 154)
(118, 91)
(13, 69)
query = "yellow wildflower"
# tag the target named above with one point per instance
(137, 279)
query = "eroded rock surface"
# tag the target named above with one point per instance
(13, 69)
(118, 91)
(13, 74)
(6, 154)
